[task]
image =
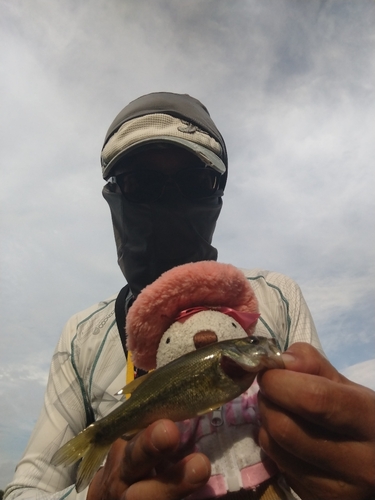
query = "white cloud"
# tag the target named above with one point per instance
(362, 373)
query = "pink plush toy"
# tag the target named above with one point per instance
(187, 307)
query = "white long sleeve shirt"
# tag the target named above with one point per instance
(89, 366)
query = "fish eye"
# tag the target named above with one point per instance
(234, 324)
(254, 340)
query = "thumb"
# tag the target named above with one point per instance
(303, 357)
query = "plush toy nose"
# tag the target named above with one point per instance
(204, 337)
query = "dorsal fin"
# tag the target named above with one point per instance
(131, 387)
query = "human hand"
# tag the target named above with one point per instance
(129, 471)
(318, 427)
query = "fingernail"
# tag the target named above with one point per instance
(197, 470)
(160, 436)
(288, 357)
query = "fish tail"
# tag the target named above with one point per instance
(84, 446)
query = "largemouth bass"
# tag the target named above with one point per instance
(192, 385)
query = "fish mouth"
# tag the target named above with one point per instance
(238, 371)
(234, 370)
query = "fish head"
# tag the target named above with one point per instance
(250, 355)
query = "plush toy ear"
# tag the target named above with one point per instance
(206, 283)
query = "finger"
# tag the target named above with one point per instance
(326, 402)
(180, 480)
(308, 481)
(147, 449)
(303, 357)
(308, 443)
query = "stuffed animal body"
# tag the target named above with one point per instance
(228, 435)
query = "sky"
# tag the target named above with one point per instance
(290, 86)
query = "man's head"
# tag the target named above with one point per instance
(166, 164)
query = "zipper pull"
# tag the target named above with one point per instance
(217, 417)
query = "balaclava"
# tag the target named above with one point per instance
(152, 237)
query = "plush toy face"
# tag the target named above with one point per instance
(203, 328)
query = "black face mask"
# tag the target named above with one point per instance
(151, 238)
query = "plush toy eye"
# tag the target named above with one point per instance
(168, 340)
(233, 324)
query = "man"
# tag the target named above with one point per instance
(166, 166)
